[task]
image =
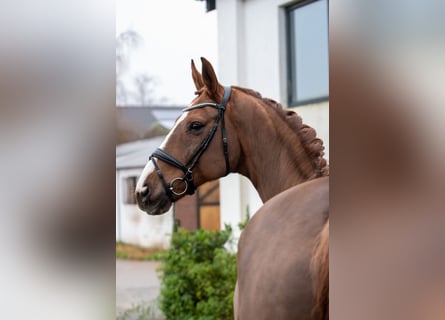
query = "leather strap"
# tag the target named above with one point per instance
(188, 171)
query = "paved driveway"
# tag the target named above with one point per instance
(136, 282)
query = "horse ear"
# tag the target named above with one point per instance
(197, 78)
(209, 77)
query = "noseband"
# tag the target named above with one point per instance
(186, 181)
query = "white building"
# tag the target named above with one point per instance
(280, 49)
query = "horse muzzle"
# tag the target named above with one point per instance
(152, 205)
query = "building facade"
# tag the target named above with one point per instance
(280, 49)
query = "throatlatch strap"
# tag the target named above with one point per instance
(225, 100)
(225, 146)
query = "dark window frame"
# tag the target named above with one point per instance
(292, 98)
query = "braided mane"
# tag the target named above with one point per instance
(307, 135)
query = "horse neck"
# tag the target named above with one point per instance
(272, 155)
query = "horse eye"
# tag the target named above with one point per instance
(196, 126)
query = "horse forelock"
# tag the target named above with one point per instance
(312, 145)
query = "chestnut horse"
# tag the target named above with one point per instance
(262, 141)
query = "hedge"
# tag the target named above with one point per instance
(198, 276)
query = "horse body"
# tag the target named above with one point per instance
(274, 279)
(271, 147)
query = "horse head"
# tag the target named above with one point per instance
(201, 146)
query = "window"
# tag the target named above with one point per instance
(129, 189)
(307, 47)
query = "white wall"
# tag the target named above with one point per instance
(135, 226)
(251, 53)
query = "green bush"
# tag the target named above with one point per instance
(199, 276)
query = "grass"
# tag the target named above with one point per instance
(133, 252)
(143, 311)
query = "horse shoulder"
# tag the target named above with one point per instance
(275, 251)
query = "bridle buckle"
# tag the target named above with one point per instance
(172, 186)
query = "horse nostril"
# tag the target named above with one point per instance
(144, 191)
(142, 195)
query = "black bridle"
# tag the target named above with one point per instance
(187, 179)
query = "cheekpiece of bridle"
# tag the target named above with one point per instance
(184, 185)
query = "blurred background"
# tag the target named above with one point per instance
(62, 87)
(279, 49)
